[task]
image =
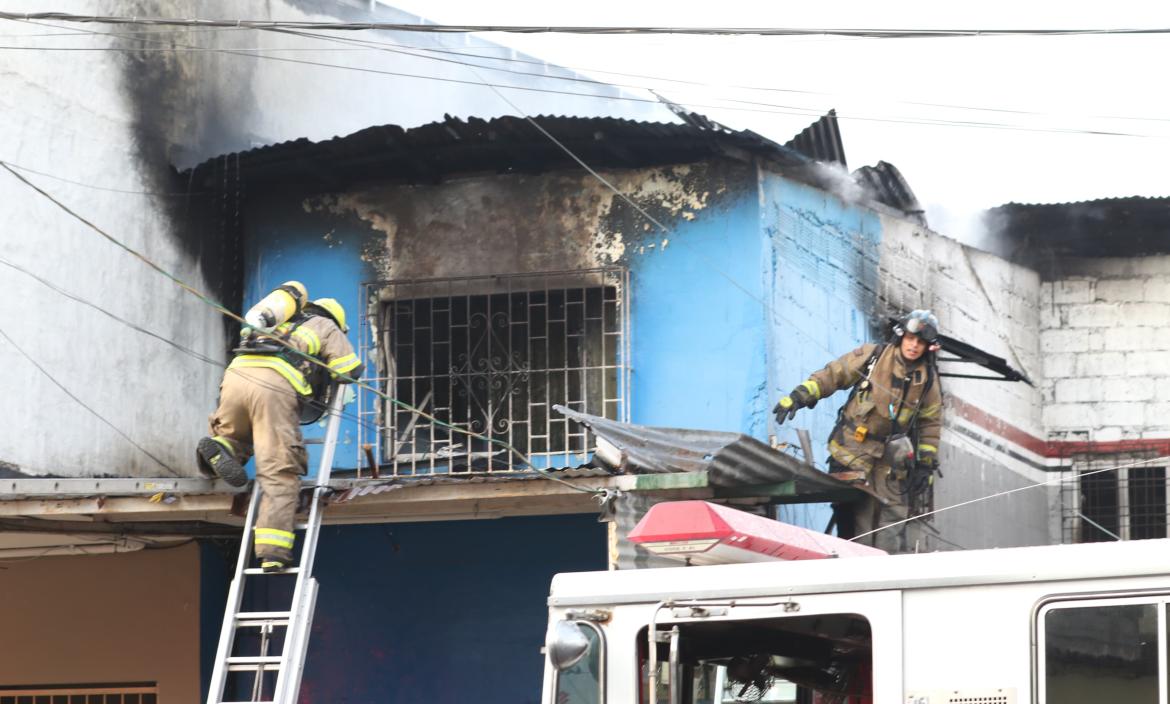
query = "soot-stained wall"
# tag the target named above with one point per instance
(695, 288)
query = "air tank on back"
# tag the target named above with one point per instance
(285, 301)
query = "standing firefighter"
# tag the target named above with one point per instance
(887, 433)
(260, 400)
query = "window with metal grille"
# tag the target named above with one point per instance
(493, 356)
(1103, 500)
(137, 693)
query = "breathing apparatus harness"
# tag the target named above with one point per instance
(911, 479)
(312, 408)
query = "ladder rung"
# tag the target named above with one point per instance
(254, 660)
(253, 668)
(263, 615)
(245, 663)
(260, 570)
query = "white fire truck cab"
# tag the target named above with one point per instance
(1066, 624)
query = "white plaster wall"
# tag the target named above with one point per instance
(64, 114)
(1106, 343)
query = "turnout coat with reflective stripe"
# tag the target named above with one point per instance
(317, 336)
(872, 407)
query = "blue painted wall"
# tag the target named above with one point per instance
(822, 273)
(698, 334)
(324, 252)
(767, 283)
(433, 613)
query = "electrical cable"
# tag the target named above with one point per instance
(1049, 482)
(391, 47)
(275, 338)
(84, 405)
(176, 50)
(579, 161)
(374, 44)
(546, 29)
(596, 175)
(762, 107)
(99, 188)
(281, 388)
(726, 276)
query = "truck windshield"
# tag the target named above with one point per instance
(582, 682)
(773, 661)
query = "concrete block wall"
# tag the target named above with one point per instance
(838, 268)
(980, 299)
(990, 303)
(1105, 340)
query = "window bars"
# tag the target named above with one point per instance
(81, 694)
(1129, 503)
(493, 355)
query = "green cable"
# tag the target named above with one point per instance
(312, 360)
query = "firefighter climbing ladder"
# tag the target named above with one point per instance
(295, 623)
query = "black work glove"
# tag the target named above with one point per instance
(928, 460)
(799, 398)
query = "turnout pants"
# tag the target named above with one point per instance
(867, 514)
(260, 413)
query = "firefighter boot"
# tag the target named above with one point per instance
(272, 564)
(214, 455)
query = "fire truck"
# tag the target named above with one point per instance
(771, 613)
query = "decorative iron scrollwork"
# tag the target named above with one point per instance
(489, 373)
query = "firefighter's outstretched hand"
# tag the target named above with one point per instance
(799, 398)
(785, 409)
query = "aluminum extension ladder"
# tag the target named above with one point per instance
(295, 623)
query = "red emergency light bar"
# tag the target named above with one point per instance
(703, 533)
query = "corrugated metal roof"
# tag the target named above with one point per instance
(428, 153)
(730, 459)
(821, 141)
(886, 185)
(1108, 227)
(1065, 204)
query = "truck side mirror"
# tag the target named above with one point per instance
(566, 644)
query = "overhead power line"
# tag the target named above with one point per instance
(740, 106)
(752, 106)
(83, 404)
(546, 29)
(282, 389)
(343, 378)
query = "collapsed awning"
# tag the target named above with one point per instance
(729, 459)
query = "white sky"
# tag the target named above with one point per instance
(1105, 83)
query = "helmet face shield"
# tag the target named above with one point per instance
(922, 329)
(921, 323)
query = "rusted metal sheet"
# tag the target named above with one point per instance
(886, 185)
(730, 459)
(1108, 227)
(821, 141)
(502, 145)
(360, 488)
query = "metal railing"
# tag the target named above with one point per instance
(492, 355)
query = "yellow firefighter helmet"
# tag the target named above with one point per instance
(334, 310)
